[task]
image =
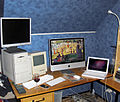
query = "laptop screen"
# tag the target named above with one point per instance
(98, 64)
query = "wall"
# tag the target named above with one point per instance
(60, 15)
(107, 33)
(40, 43)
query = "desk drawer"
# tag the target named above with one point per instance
(49, 97)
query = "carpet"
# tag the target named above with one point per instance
(83, 97)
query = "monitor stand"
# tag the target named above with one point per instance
(14, 50)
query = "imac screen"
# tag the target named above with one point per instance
(67, 50)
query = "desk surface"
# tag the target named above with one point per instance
(111, 83)
(62, 85)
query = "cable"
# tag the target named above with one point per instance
(105, 88)
(75, 92)
(81, 97)
(105, 93)
(86, 97)
(102, 92)
(110, 97)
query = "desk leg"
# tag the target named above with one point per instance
(91, 90)
(116, 96)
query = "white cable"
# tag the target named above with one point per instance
(105, 90)
(102, 92)
(110, 97)
(106, 97)
(75, 92)
(105, 93)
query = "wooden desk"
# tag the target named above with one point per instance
(110, 82)
(47, 92)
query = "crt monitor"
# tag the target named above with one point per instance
(15, 31)
(39, 62)
(66, 53)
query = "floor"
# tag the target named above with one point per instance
(84, 97)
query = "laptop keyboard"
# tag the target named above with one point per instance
(94, 75)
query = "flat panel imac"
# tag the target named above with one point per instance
(39, 62)
(15, 31)
(66, 53)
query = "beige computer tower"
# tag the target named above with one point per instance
(17, 66)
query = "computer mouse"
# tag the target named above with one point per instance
(76, 76)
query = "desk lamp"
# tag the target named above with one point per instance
(117, 59)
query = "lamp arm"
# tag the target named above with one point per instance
(110, 12)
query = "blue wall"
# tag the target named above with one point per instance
(40, 43)
(107, 33)
(69, 16)
(60, 15)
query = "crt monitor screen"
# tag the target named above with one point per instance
(38, 60)
(15, 31)
(67, 50)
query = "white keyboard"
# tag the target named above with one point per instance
(55, 81)
(43, 79)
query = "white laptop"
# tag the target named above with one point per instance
(96, 67)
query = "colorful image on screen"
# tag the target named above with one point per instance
(67, 50)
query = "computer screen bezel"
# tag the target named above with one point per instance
(98, 59)
(39, 68)
(16, 43)
(66, 66)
